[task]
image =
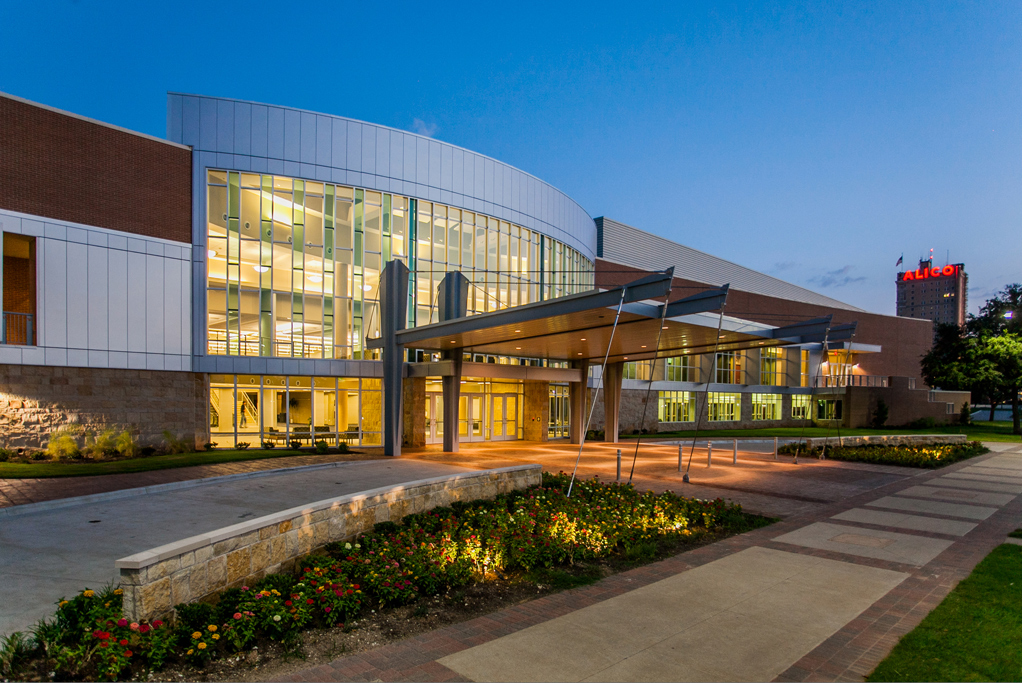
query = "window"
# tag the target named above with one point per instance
(638, 370)
(766, 406)
(259, 408)
(723, 407)
(19, 290)
(805, 362)
(676, 406)
(801, 409)
(830, 409)
(772, 365)
(293, 266)
(680, 369)
(729, 368)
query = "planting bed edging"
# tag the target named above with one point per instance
(887, 440)
(193, 568)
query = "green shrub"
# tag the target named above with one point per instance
(104, 444)
(922, 423)
(295, 444)
(174, 444)
(343, 447)
(209, 446)
(269, 445)
(965, 414)
(242, 445)
(931, 456)
(881, 414)
(126, 445)
(63, 444)
(7, 453)
(15, 650)
(321, 447)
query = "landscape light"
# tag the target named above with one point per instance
(1008, 315)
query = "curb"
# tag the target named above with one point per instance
(58, 503)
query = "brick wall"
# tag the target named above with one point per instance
(59, 166)
(34, 400)
(903, 340)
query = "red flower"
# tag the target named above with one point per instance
(104, 644)
(157, 623)
(122, 622)
(309, 601)
(127, 653)
(287, 603)
(143, 628)
(123, 642)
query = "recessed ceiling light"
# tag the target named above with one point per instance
(451, 342)
(518, 330)
(579, 354)
(664, 327)
(583, 339)
(643, 346)
(313, 277)
(260, 269)
(519, 348)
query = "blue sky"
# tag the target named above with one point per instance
(816, 142)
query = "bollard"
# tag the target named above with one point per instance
(735, 448)
(679, 467)
(776, 448)
(709, 454)
(618, 465)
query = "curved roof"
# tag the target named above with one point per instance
(633, 247)
(262, 138)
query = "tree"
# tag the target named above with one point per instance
(999, 315)
(984, 356)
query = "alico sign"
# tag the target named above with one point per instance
(925, 273)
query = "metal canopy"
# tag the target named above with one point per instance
(579, 327)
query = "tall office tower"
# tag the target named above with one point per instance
(937, 293)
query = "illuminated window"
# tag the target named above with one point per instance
(805, 363)
(257, 409)
(680, 369)
(676, 406)
(19, 324)
(638, 370)
(723, 407)
(801, 409)
(830, 409)
(766, 406)
(729, 368)
(772, 367)
(293, 266)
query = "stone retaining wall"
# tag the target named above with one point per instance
(199, 567)
(890, 440)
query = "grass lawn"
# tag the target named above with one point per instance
(980, 431)
(974, 635)
(33, 470)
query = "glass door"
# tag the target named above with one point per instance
(435, 418)
(503, 417)
(472, 417)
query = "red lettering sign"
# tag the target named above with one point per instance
(924, 273)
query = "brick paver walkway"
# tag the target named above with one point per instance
(849, 654)
(22, 491)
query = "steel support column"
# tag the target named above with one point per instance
(452, 298)
(578, 403)
(394, 301)
(612, 401)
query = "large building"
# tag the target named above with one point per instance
(222, 284)
(936, 293)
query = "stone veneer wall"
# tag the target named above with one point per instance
(201, 566)
(890, 440)
(35, 400)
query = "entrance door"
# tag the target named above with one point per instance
(435, 418)
(472, 417)
(504, 426)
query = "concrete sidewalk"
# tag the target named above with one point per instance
(819, 596)
(52, 553)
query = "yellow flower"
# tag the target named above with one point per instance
(197, 635)
(211, 628)
(88, 594)
(216, 636)
(201, 646)
(118, 592)
(190, 651)
(63, 602)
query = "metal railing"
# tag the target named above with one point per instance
(852, 381)
(18, 328)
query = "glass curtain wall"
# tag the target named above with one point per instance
(724, 407)
(773, 367)
(801, 407)
(294, 265)
(676, 406)
(280, 411)
(766, 406)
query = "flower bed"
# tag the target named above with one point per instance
(931, 457)
(397, 564)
